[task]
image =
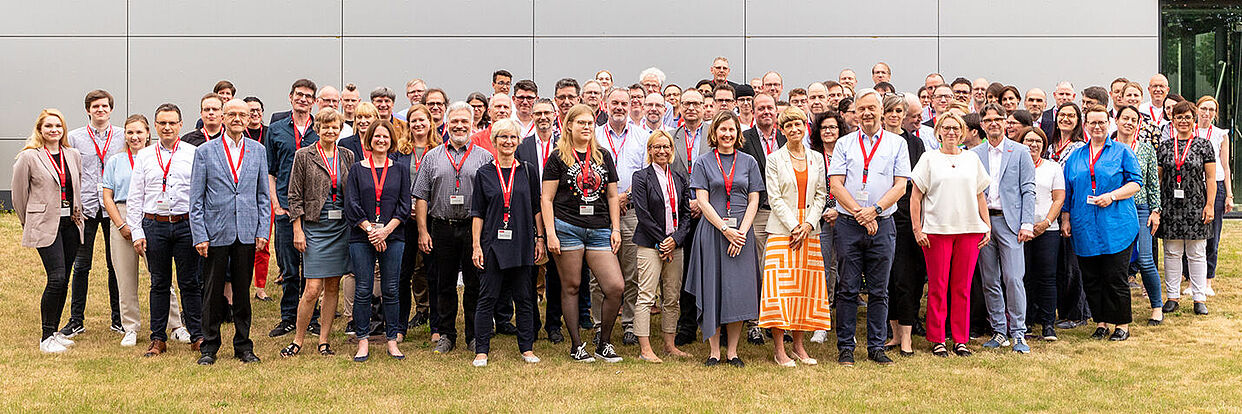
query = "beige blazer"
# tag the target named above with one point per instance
(36, 195)
(782, 186)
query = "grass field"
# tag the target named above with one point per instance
(1188, 364)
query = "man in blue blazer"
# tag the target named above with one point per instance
(229, 218)
(1011, 205)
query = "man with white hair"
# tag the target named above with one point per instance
(817, 98)
(720, 72)
(1063, 93)
(330, 97)
(499, 107)
(442, 193)
(1158, 86)
(923, 132)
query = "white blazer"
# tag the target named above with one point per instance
(782, 187)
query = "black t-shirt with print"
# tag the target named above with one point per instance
(579, 187)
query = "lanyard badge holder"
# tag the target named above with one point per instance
(730, 221)
(864, 197)
(506, 191)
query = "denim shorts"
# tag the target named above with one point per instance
(573, 237)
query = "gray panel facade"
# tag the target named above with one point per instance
(149, 51)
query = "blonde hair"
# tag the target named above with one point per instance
(565, 145)
(1209, 98)
(504, 125)
(405, 144)
(657, 134)
(792, 113)
(366, 108)
(35, 141)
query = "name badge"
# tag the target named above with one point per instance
(503, 234)
(163, 207)
(863, 197)
(586, 210)
(457, 200)
(99, 187)
(66, 212)
(334, 214)
(1091, 200)
(731, 222)
(1179, 193)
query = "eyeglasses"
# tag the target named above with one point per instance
(993, 120)
(523, 97)
(303, 95)
(661, 147)
(236, 114)
(1097, 124)
(503, 83)
(435, 103)
(566, 97)
(1184, 118)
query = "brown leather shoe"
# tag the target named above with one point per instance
(157, 347)
(196, 345)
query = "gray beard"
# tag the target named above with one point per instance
(459, 141)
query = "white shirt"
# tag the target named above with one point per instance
(234, 149)
(542, 151)
(1048, 177)
(524, 129)
(951, 185)
(646, 132)
(628, 149)
(146, 188)
(661, 174)
(1217, 137)
(1156, 114)
(995, 156)
(891, 160)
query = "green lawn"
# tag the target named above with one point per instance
(1188, 364)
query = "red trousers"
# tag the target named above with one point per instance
(950, 268)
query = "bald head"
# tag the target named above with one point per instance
(1158, 86)
(499, 107)
(236, 117)
(773, 84)
(329, 97)
(1036, 101)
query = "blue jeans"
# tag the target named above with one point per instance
(573, 237)
(860, 253)
(1146, 260)
(364, 256)
(168, 243)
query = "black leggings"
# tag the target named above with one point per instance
(57, 260)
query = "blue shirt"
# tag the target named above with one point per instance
(116, 174)
(280, 149)
(1096, 230)
(891, 160)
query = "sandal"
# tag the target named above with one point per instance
(291, 350)
(962, 351)
(940, 350)
(326, 350)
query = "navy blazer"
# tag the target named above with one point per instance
(1047, 123)
(650, 199)
(754, 147)
(221, 211)
(352, 143)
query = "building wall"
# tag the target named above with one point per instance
(151, 51)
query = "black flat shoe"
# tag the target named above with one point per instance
(1170, 306)
(207, 359)
(247, 357)
(1154, 322)
(1119, 335)
(939, 350)
(1100, 334)
(905, 353)
(326, 350)
(1201, 308)
(711, 362)
(736, 362)
(291, 350)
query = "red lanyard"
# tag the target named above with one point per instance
(159, 159)
(60, 169)
(672, 194)
(1094, 157)
(107, 143)
(1065, 142)
(241, 154)
(297, 134)
(207, 137)
(457, 166)
(418, 159)
(868, 156)
(1180, 160)
(1151, 110)
(547, 149)
(768, 144)
(728, 179)
(331, 166)
(690, 147)
(379, 185)
(506, 188)
(131, 158)
(1038, 162)
(625, 136)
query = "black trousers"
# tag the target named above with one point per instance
(687, 322)
(1104, 278)
(82, 269)
(493, 284)
(451, 250)
(1071, 295)
(168, 243)
(1041, 278)
(227, 264)
(908, 276)
(57, 258)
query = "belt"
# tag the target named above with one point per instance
(167, 219)
(995, 212)
(450, 221)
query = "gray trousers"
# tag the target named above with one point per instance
(1003, 265)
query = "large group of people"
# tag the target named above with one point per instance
(739, 210)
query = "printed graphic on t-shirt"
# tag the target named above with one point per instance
(588, 182)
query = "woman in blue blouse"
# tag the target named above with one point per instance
(1099, 184)
(377, 201)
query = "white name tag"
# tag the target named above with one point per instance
(504, 234)
(731, 222)
(1091, 200)
(334, 214)
(162, 207)
(863, 197)
(1179, 193)
(586, 210)
(457, 200)
(99, 187)
(66, 211)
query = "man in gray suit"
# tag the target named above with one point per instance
(689, 140)
(229, 217)
(1011, 205)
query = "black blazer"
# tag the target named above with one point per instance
(276, 116)
(754, 147)
(649, 199)
(528, 152)
(1047, 123)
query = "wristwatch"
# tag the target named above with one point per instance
(878, 209)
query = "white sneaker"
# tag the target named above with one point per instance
(479, 362)
(62, 340)
(130, 338)
(531, 359)
(51, 346)
(181, 335)
(819, 337)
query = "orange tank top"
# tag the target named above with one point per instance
(801, 176)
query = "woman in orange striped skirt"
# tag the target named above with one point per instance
(794, 292)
